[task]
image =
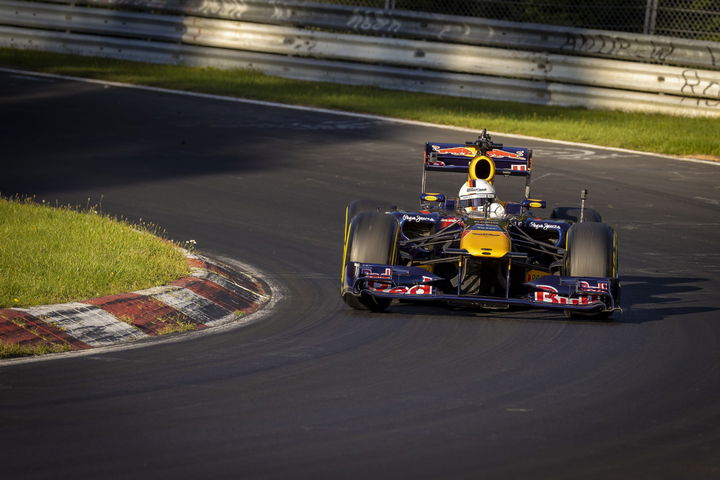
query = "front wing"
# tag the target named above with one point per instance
(582, 294)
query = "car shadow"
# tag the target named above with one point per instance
(649, 299)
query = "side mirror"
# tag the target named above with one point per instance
(533, 203)
(432, 198)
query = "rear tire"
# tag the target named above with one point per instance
(591, 252)
(372, 238)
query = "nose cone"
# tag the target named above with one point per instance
(485, 241)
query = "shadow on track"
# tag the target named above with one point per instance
(134, 136)
(649, 299)
(443, 313)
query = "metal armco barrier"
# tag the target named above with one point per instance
(446, 68)
(441, 28)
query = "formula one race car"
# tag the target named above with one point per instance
(475, 251)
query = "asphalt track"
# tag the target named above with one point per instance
(315, 390)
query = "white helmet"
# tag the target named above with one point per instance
(475, 195)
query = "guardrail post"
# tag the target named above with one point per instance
(650, 17)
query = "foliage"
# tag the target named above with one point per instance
(10, 350)
(61, 254)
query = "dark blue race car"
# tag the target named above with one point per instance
(475, 251)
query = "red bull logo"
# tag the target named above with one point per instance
(459, 151)
(549, 294)
(504, 154)
(549, 297)
(471, 152)
(384, 285)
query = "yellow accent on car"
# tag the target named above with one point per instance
(481, 168)
(346, 235)
(486, 243)
(534, 275)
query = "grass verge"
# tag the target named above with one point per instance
(11, 350)
(665, 134)
(56, 255)
(173, 324)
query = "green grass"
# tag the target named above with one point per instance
(174, 324)
(55, 255)
(10, 350)
(664, 134)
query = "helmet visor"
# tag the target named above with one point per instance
(477, 202)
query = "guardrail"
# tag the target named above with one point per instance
(441, 28)
(447, 68)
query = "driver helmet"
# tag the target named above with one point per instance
(476, 195)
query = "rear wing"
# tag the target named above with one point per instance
(456, 157)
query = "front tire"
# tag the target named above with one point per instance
(359, 206)
(591, 252)
(371, 238)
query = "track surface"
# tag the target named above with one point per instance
(316, 390)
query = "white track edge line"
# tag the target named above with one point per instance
(342, 112)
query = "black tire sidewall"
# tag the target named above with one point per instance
(591, 251)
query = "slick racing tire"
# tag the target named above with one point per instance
(359, 206)
(573, 214)
(591, 252)
(372, 238)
